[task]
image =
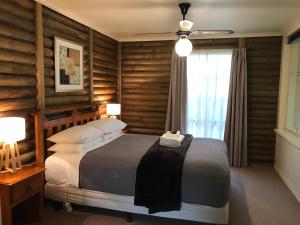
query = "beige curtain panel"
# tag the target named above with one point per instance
(177, 104)
(235, 134)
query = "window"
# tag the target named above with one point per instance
(208, 75)
(293, 113)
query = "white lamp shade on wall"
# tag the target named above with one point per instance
(12, 129)
(183, 47)
(113, 109)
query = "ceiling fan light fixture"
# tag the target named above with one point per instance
(185, 25)
(183, 46)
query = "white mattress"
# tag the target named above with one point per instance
(63, 168)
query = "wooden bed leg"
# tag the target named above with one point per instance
(129, 217)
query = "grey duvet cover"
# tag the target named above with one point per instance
(112, 169)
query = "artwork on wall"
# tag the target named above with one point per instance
(68, 65)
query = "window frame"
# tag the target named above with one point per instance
(282, 129)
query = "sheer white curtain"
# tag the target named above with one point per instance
(208, 75)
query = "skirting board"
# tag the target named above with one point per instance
(122, 203)
(287, 182)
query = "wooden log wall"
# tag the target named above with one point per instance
(226, 43)
(105, 69)
(18, 64)
(145, 74)
(17, 67)
(57, 25)
(145, 70)
(263, 65)
(145, 77)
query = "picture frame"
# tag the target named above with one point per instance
(68, 65)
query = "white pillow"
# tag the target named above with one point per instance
(108, 125)
(76, 135)
(77, 148)
(112, 136)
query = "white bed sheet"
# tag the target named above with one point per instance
(63, 168)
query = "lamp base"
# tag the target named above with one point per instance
(113, 117)
(10, 158)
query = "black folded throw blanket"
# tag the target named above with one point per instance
(159, 175)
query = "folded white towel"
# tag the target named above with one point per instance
(172, 136)
(170, 144)
(171, 140)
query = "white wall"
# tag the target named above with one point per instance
(287, 164)
(287, 157)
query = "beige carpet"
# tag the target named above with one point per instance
(259, 197)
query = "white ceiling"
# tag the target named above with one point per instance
(122, 19)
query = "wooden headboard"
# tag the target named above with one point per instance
(52, 121)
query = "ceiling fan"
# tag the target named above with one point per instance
(184, 46)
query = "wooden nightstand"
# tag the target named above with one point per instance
(22, 196)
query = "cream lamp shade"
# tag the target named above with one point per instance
(183, 47)
(113, 109)
(12, 129)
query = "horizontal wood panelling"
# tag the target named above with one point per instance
(105, 69)
(55, 24)
(17, 68)
(226, 43)
(145, 77)
(263, 59)
(18, 86)
(146, 68)
(145, 85)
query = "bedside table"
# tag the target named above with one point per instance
(21, 196)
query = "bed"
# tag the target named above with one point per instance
(110, 169)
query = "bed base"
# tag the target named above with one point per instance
(192, 212)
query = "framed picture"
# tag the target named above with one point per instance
(68, 65)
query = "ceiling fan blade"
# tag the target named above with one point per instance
(212, 32)
(158, 33)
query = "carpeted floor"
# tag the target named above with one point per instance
(259, 197)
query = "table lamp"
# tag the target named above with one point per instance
(113, 110)
(12, 129)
